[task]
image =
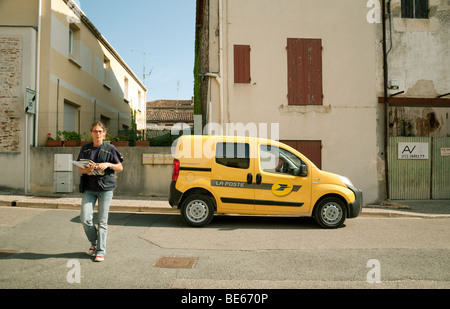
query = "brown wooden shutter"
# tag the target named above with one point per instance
(304, 71)
(311, 149)
(242, 64)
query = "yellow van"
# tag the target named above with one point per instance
(254, 176)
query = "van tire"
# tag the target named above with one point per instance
(197, 210)
(330, 213)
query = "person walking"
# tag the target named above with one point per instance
(97, 183)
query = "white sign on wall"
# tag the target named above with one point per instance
(410, 150)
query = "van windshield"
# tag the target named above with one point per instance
(278, 160)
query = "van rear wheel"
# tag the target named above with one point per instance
(330, 213)
(197, 210)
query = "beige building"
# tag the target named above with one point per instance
(50, 50)
(308, 66)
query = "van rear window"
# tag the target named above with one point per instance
(235, 155)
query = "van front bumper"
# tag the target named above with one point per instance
(354, 208)
(174, 195)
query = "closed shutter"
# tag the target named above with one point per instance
(242, 64)
(304, 71)
(311, 149)
(421, 8)
(414, 8)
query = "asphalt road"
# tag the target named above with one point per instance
(45, 248)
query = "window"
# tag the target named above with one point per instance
(415, 9)
(71, 41)
(70, 116)
(242, 64)
(107, 69)
(235, 155)
(304, 71)
(74, 41)
(279, 160)
(125, 90)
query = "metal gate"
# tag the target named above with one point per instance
(419, 168)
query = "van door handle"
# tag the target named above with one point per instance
(258, 179)
(249, 178)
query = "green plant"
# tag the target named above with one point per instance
(71, 136)
(50, 138)
(86, 137)
(120, 137)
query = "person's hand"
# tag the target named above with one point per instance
(101, 166)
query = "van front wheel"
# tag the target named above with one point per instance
(197, 210)
(330, 212)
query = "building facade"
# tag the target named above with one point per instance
(307, 67)
(163, 114)
(58, 73)
(414, 90)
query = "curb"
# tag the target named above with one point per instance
(159, 206)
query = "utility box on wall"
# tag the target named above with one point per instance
(62, 173)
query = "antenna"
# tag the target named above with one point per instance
(143, 63)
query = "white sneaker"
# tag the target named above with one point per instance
(99, 258)
(92, 250)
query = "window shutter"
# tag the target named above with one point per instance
(242, 64)
(304, 71)
(407, 8)
(311, 149)
(421, 8)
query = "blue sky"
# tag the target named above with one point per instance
(163, 29)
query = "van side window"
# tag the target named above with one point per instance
(277, 160)
(235, 155)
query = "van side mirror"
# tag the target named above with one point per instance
(303, 170)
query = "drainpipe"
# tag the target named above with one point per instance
(386, 103)
(221, 59)
(38, 69)
(217, 76)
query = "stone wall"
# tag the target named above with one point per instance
(10, 94)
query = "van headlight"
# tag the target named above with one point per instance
(346, 181)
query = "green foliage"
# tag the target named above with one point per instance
(71, 136)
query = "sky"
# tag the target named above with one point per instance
(161, 30)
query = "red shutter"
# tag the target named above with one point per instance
(304, 71)
(311, 149)
(242, 64)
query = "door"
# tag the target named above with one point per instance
(232, 177)
(279, 189)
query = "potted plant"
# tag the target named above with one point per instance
(54, 142)
(85, 139)
(141, 141)
(120, 140)
(71, 138)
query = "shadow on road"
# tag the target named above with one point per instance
(220, 222)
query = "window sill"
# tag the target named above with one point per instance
(106, 86)
(304, 109)
(75, 62)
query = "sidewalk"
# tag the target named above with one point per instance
(123, 204)
(413, 208)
